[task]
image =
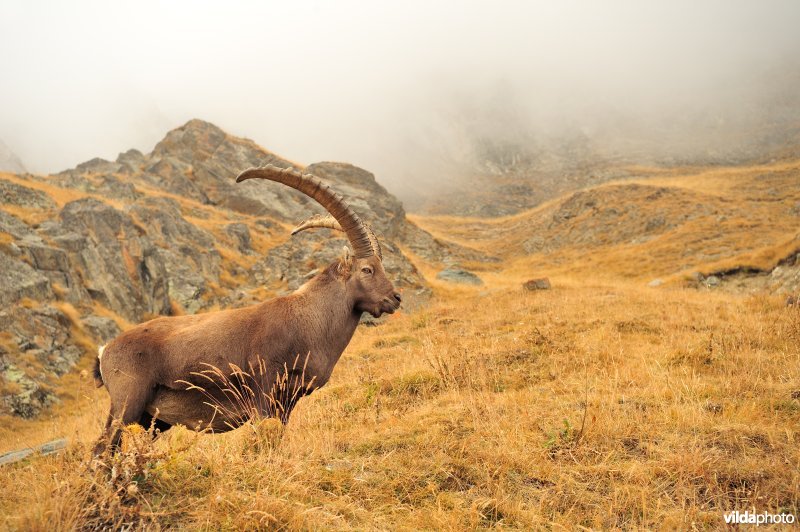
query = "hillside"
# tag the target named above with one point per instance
(91, 250)
(682, 226)
(599, 403)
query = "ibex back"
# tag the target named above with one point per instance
(162, 371)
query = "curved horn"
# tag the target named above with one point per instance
(357, 232)
(329, 222)
(318, 221)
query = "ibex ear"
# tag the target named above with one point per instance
(346, 261)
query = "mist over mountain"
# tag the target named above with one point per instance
(9, 162)
(522, 151)
(427, 96)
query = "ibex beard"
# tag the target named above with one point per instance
(176, 370)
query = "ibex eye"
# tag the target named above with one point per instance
(366, 270)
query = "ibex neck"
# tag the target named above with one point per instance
(328, 312)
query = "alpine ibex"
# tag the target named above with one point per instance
(154, 371)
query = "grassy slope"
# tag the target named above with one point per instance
(712, 220)
(598, 403)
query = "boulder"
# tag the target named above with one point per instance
(542, 283)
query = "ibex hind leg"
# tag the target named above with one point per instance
(125, 411)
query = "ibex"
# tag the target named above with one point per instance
(153, 371)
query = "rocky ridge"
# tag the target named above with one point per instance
(86, 252)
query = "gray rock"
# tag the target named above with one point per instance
(45, 257)
(120, 265)
(41, 350)
(131, 161)
(102, 329)
(173, 176)
(31, 398)
(54, 263)
(457, 275)
(187, 253)
(113, 187)
(655, 283)
(712, 280)
(19, 280)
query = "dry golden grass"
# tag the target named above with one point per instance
(600, 405)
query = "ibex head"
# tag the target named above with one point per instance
(367, 285)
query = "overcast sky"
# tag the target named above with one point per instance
(365, 82)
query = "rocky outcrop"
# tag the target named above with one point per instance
(783, 279)
(14, 194)
(118, 263)
(36, 348)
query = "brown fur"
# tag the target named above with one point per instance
(143, 367)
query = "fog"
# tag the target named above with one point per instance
(408, 90)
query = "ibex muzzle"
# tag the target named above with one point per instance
(159, 371)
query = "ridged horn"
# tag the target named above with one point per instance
(359, 235)
(319, 221)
